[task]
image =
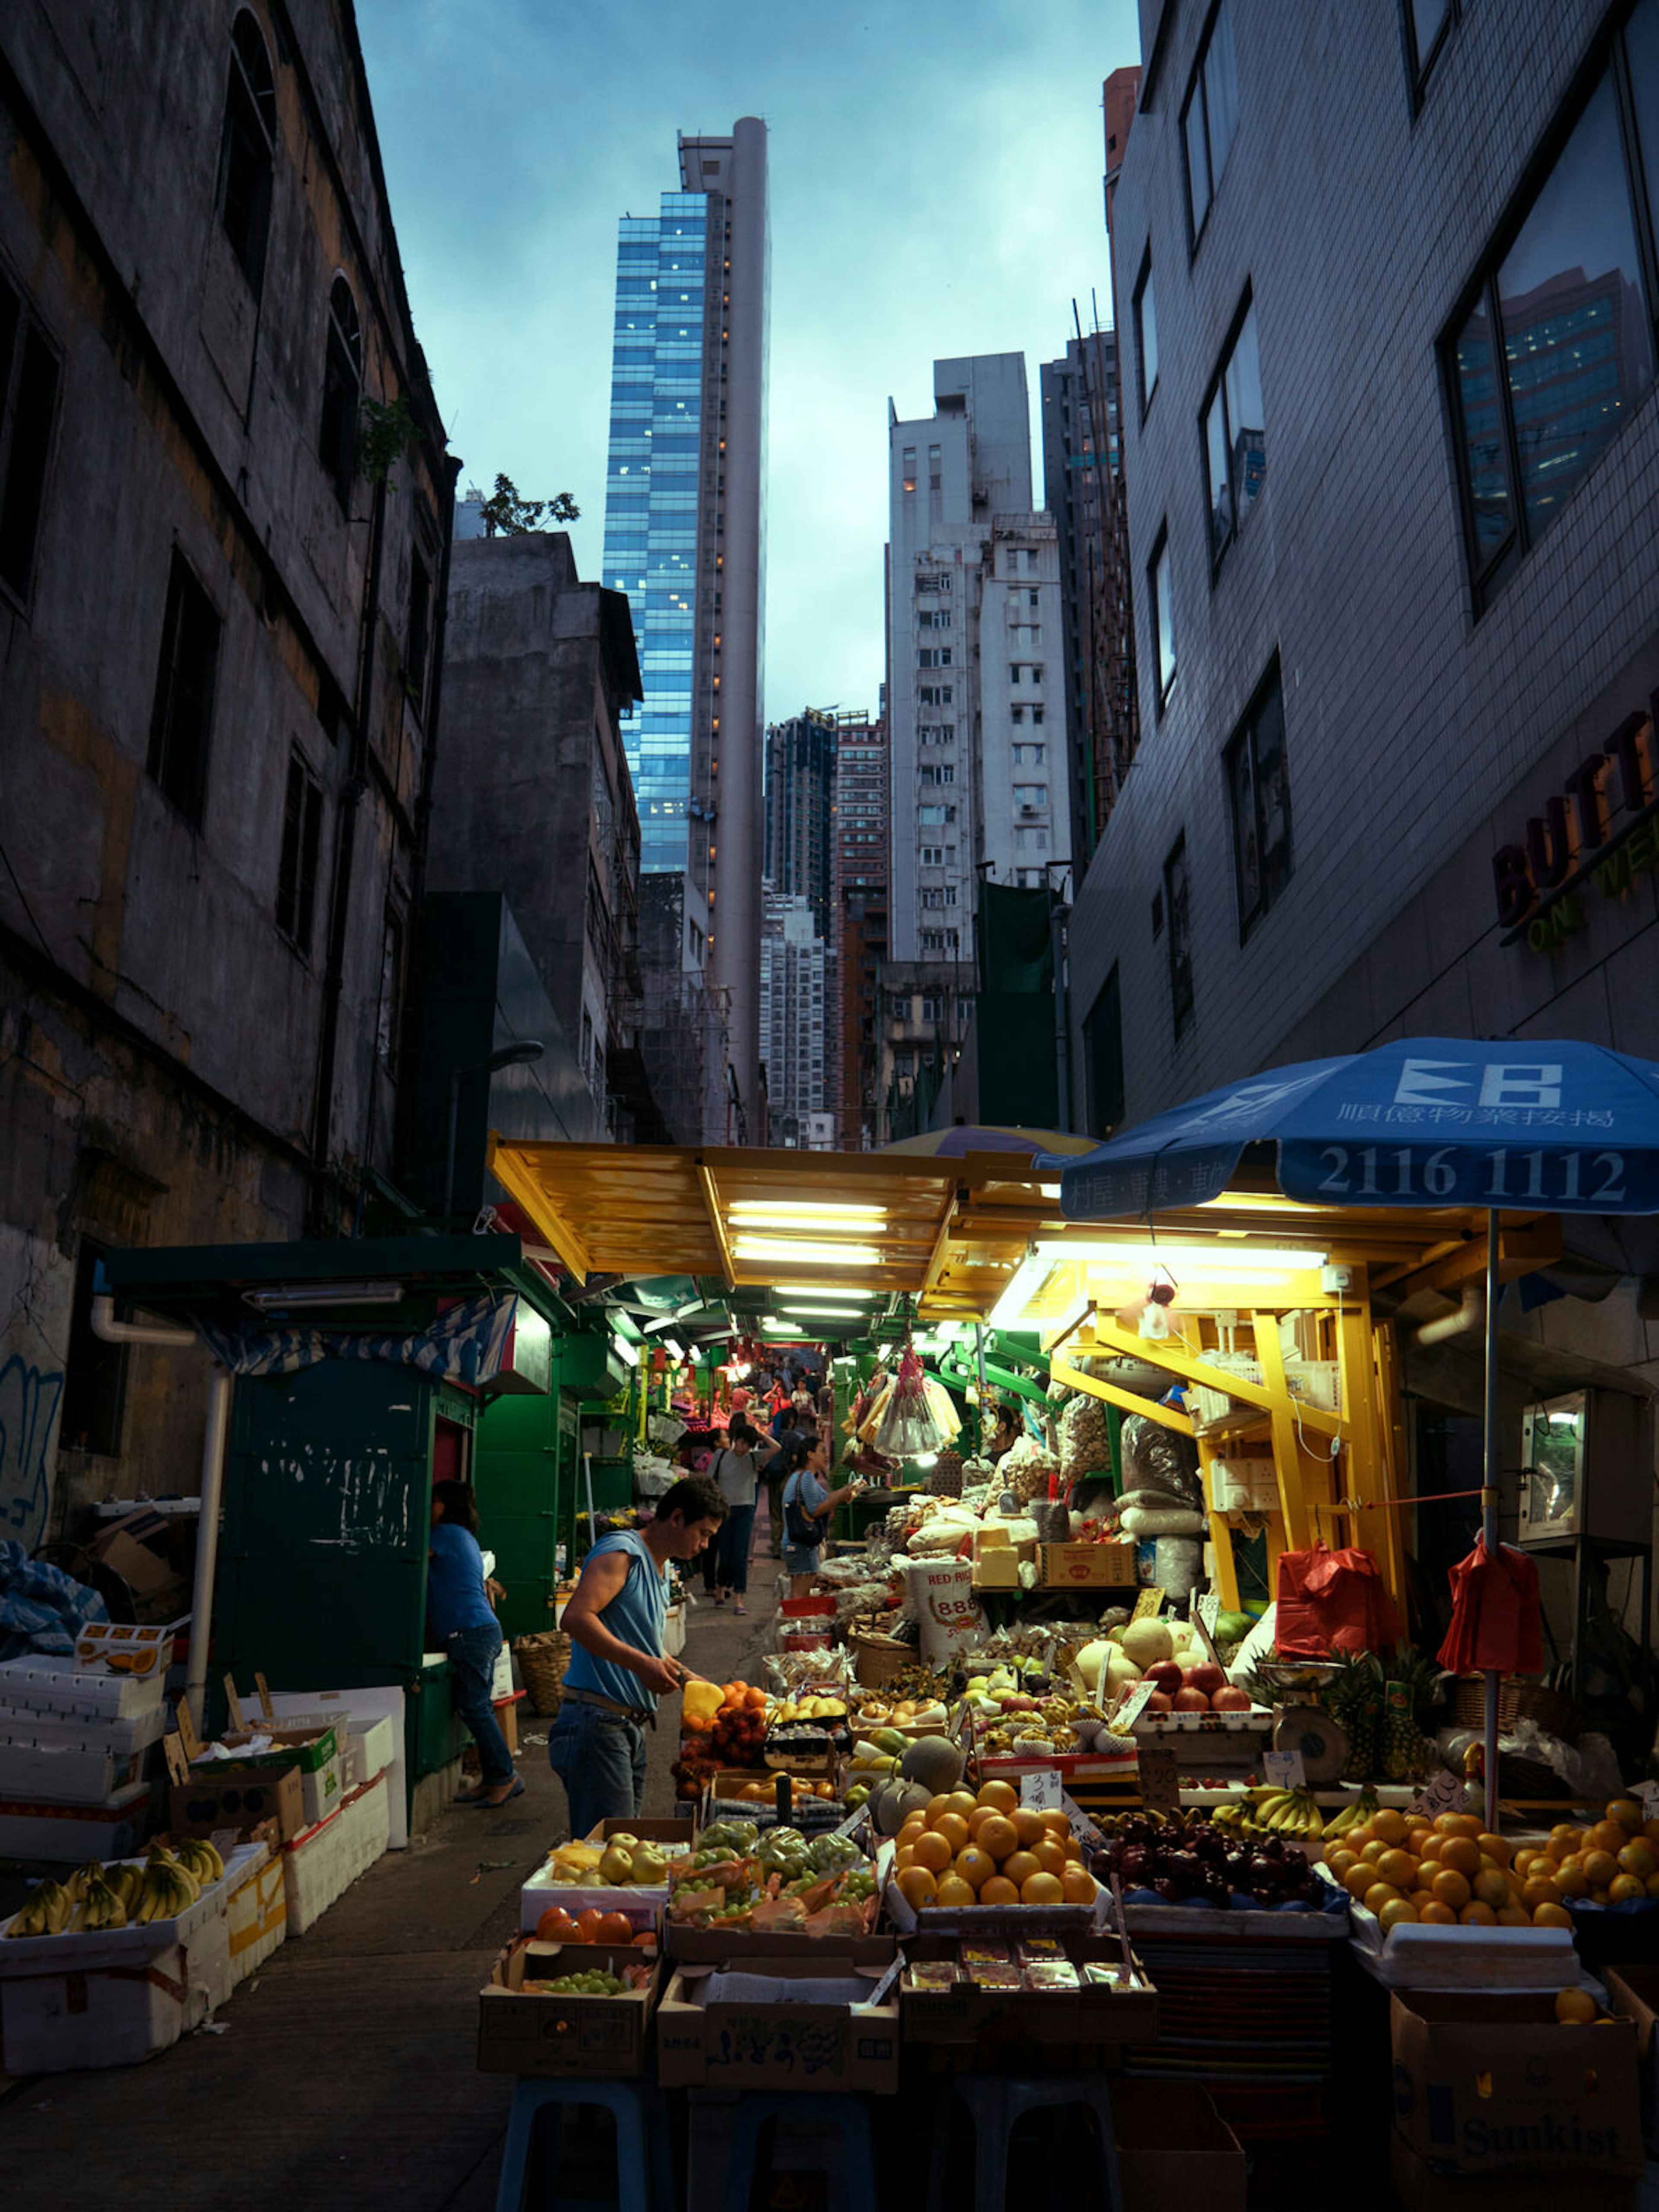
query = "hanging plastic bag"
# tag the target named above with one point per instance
(1333, 1602)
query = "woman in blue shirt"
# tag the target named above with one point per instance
(463, 1625)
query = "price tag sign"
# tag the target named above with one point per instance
(1445, 1793)
(233, 1707)
(1284, 1769)
(1148, 1605)
(1132, 1707)
(265, 1706)
(1649, 1794)
(1160, 1778)
(174, 1752)
(1206, 1611)
(1043, 1791)
(187, 1736)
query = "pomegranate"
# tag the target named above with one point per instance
(1207, 1677)
(1160, 1702)
(1230, 1698)
(1190, 1700)
(1166, 1673)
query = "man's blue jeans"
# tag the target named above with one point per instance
(600, 1756)
(473, 1653)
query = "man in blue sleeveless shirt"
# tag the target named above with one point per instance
(615, 1619)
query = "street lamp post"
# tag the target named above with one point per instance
(524, 1053)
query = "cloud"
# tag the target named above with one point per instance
(935, 178)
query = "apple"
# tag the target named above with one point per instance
(1230, 1698)
(1160, 1702)
(1208, 1677)
(1166, 1672)
(1190, 1700)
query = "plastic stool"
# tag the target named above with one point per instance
(997, 2103)
(848, 2114)
(641, 2122)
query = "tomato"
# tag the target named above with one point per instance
(588, 1925)
(614, 1927)
(555, 1926)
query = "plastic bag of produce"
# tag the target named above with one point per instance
(951, 1620)
(1086, 1439)
(1156, 1458)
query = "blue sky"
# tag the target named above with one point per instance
(935, 177)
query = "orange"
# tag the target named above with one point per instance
(1537, 1893)
(954, 1891)
(932, 1851)
(974, 1866)
(1638, 1858)
(999, 1891)
(1002, 1796)
(1000, 1837)
(1050, 1855)
(1358, 1879)
(903, 1856)
(954, 1829)
(1359, 1836)
(1452, 1888)
(934, 1807)
(1028, 1827)
(1396, 1910)
(917, 1888)
(1492, 1888)
(1651, 1885)
(1494, 1847)
(1459, 1824)
(1571, 1879)
(1523, 1860)
(1477, 1915)
(1462, 1852)
(913, 1826)
(1381, 1894)
(1607, 1836)
(1057, 1824)
(1398, 1867)
(1437, 1915)
(965, 1802)
(1431, 1849)
(1418, 1836)
(1390, 1826)
(1077, 1886)
(1575, 2005)
(1650, 1830)
(1338, 1862)
(1624, 1887)
(1373, 1851)
(1601, 1897)
(1041, 1888)
(977, 1819)
(1600, 1868)
(1551, 1916)
(1020, 1866)
(1513, 1916)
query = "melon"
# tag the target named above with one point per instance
(934, 1763)
(892, 1806)
(1147, 1641)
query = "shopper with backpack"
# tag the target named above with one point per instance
(808, 1502)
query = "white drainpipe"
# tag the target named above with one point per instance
(104, 1325)
(1470, 1315)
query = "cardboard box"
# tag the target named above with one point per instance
(779, 2023)
(1634, 1991)
(1086, 1566)
(1486, 2082)
(315, 1753)
(1418, 2187)
(993, 2018)
(139, 1548)
(738, 1946)
(238, 1797)
(356, 1710)
(1175, 2151)
(532, 2032)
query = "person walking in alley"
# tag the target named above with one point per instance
(808, 1502)
(734, 1470)
(616, 1619)
(461, 1618)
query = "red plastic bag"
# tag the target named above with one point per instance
(1495, 1625)
(1331, 1601)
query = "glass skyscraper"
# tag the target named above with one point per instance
(651, 497)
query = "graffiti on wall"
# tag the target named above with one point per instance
(29, 1398)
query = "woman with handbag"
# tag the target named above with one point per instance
(733, 1471)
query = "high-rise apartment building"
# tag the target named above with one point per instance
(800, 798)
(1083, 487)
(975, 678)
(794, 998)
(860, 865)
(683, 538)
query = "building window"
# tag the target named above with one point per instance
(938, 772)
(938, 895)
(930, 817)
(1146, 328)
(933, 656)
(1211, 115)
(1259, 788)
(1555, 353)
(28, 401)
(1163, 613)
(182, 717)
(933, 695)
(245, 146)
(938, 856)
(933, 1006)
(1235, 439)
(1036, 715)
(297, 871)
(1103, 1059)
(1031, 838)
(95, 1373)
(1427, 23)
(933, 618)
(910, 470)
(342, 384)
(1030, 794)
(1176, 913)
(1030, 756)
(418, 652)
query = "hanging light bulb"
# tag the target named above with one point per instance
(1154, 1320)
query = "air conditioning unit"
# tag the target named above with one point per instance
(1587, 1468)
(1026, 811)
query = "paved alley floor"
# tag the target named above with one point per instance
(345, 2075)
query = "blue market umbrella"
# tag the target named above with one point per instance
(1554, 1127)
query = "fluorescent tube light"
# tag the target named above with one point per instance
(296, 1298)
(624, 1351)
(672, 1346)
(805, 1254)
(837, 1293)
(1182, 1259)
(767, 1214)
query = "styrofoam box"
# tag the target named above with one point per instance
(122, 1994)
(125, 1734)
(257, 1920)
(41, 1829)
(65, 1774)
(58, 1688)
(320, 1866)
(360, 1709)
(374, 1751)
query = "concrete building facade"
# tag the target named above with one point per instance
(226, 505)
(1391, 449)
(532, 796)
(861, 830)
(797, 1046)
(800, 799)
(684, 539)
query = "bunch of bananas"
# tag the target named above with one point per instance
(167, 1889)
(200, 1858)
(1269, 1811)
(1353, 1816)
(102, 1906)
(48, 1912)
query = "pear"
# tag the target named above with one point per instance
(616, 1867)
